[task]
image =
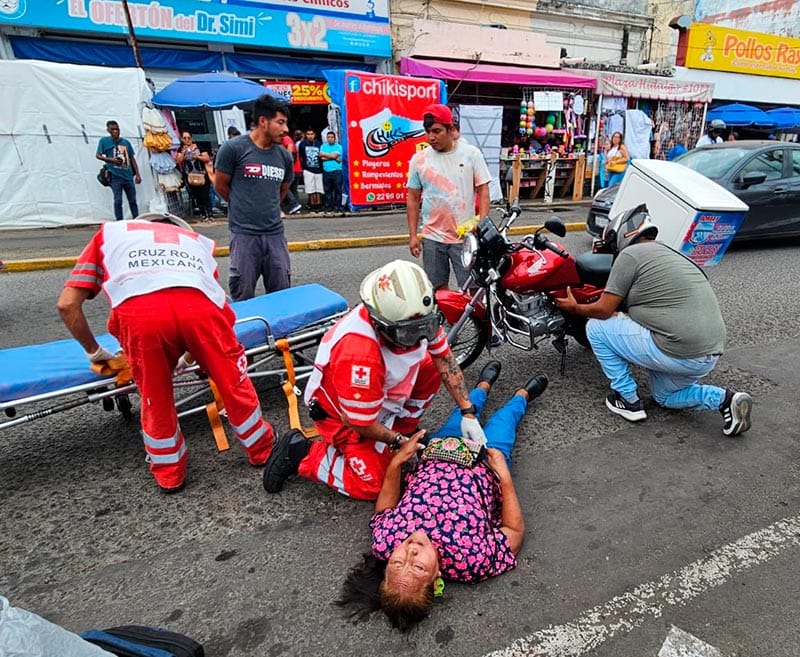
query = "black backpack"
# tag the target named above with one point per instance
(141, 641)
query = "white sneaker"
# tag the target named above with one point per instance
(631, 411)
(735, 409)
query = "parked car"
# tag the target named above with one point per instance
(764, 174)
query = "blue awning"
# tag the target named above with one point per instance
(110, 54)
(288, 67)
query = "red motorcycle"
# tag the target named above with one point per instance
(511, 289)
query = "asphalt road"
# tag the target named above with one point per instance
(630, 528)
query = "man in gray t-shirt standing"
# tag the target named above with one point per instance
(253, 174)
(673, 327)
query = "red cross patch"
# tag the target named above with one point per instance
(384, 282)
(360, 376)
(164, 233)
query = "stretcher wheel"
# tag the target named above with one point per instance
(124, 407)
(11, 412)
(108, 404)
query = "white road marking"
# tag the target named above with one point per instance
(647, 601)
(682, 644)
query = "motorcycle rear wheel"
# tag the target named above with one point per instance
(470, 341)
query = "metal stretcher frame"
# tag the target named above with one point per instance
(271, 327)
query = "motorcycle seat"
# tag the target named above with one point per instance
(593, 268)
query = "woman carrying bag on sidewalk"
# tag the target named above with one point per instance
(192, 163)
(617, 158)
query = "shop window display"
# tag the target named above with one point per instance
(547, 121)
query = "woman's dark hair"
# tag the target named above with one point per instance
(404, 612)
(364, 592)
(268, 106)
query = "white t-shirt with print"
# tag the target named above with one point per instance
(448, 182)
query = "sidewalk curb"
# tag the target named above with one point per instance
(39, 264)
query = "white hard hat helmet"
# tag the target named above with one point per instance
(397, 291)
(627, 227)
(165, 218)
(400, 300)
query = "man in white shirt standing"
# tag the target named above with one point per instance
(446, 177)
(714, 134)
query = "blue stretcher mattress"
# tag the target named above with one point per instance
(54, 366)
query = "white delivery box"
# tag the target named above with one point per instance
(694, 215)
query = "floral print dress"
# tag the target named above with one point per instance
(459, 508)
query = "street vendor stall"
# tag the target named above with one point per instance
(676, 109)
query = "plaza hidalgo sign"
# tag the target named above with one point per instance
(651, 86)
(718, 48)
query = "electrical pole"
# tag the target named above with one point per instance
(132, 35)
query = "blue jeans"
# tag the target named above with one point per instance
(500, 430)
(332, 183)
(619, 340)
(118, 185)
(615, 178)
(214, 198)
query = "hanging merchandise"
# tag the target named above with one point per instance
(579, 107)
(153, 120)
(527, 114)
(160, 137)
(157, 142)
(638, 129)
(170, 181)
(676, 123)
(161, 162)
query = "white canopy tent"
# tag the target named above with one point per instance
(51, 118)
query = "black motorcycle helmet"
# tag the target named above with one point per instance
(624, 229)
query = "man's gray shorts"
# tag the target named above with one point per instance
(255, 256)
(436, 260)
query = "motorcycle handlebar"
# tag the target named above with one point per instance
(555, 249)
(511, 215)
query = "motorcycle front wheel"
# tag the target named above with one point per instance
(469, 342)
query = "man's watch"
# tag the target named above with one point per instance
(470, 410)
(395, 444)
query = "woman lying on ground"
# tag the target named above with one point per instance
(455, 521)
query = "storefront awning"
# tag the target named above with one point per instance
(654, 86)
(112, 54)
(523, 76)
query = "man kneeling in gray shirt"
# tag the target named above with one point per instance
(672, 327)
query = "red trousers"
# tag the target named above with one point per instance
(154, 330)
(353, 465)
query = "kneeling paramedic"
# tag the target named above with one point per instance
(161, 280)
(376, 371)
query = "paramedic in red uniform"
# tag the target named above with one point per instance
(161, 281)
(376, 371)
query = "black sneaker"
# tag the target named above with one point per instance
(735, 409)
(631, 411)
(284, 460)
